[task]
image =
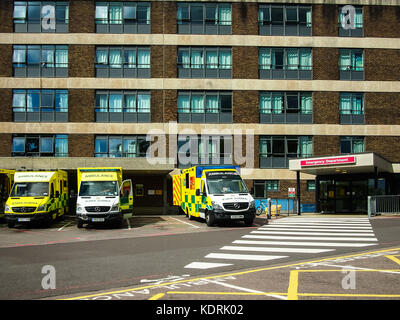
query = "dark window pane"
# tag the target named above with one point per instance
(33, 56)
(277, 61)
(129, 13)
(292, 146)
(259, 190)
(46, 144)
(18, 144)
(143, 146)
(291, 14)
(345, 146)
(278, 146)
(226, 103)
(101, 145)
(210, 14)
(277, 15)
(34, 13)
(32, 144)
(292, 102)
(196, 13)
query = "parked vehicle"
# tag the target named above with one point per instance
(214, 193)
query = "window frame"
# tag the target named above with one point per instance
(55, 140)
(124, 153)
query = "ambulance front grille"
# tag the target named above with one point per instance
(23, 209)
(95, 209)
(236, 205)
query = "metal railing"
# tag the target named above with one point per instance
(383, 204)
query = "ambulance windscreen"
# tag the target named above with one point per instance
(30, 189)
(224, 183)
(98, 188)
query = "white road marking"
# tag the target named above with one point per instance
(310, 238)
(313, 233)
(243, 256)
(310, 229)
(205, 265)
(314, 227)
(304, 243)
(321, 224)
(64, 226)
(194, 226)
(270, 249)
(245, 289)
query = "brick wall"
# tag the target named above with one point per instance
(245, 62)
(382, 64)
(166, 55)
(325, 20)
(80, 145)
(245, 106)
(325, 63)
(5, 144)
(6, 16)
(245, 18)
(157, 106)
(6, 114)
(6, 56)
(381, 21)
(387, 147)
(81, 104)
(170, 105)
(81, 61)
(326, 107)
(382, 108)
(81, 16)
(326, 145)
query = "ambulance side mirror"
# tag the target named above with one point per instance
(197, 192)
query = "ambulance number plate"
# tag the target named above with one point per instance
(237, 216)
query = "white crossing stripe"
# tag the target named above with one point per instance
(313, 233)
(311, 229)
(305, 243)
(205, 265)
(311, 238)
(243, 256)
(270, 249)
(315, 227)
(321, 224)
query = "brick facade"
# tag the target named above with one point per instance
(80, 145)
(382, 108)
(326, 145)
(5, 144)
(381, 21)
(245, 62)
(325, 107)
(245, 18)
(246, 107)
(81, 61)
(324, 20)
(6, 112)
(325, 63)
(81, 16)
(6, 68)
(382, 65)
(81, 104)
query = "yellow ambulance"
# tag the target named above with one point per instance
(6, 182)
(213, 193)
(37, 196)
(103, 196)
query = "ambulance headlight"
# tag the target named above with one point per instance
(216, 205)
(7, 208)
(79, 209)
(252, 204)
(41, 208)
(115, 207)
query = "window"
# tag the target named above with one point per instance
(121, 146)
(351, 108)
(40, 61)
(275, 151)
(204, 18)
(285, 63)
(285, 107)
(262, 187)
(208, 107)
(311, 185)
(204, 62)
(349, 24)
(351, 144)
(123, 62)
(40, 145)
(351, 64)
(40, 105)
(122, 106)
(205, 149)
(289, 20)
(122, 17)
(41, 16)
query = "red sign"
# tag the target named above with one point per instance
(327, 161)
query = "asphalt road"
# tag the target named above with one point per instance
(92, 259)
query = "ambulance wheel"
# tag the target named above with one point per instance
(191, 217)
(80, 224)
(210, 219)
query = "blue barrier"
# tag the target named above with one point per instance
(287, 204)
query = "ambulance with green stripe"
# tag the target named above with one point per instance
(37, 196)
(103, 196)
(214, 193)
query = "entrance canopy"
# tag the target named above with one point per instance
(343, 164)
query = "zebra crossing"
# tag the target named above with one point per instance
(281, 238)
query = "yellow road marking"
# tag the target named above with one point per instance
(230, 274)
(293, 285)
(157, 296)
(229, 293)
(349, 295)
(393, 257)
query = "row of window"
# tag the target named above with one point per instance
(192, 18)
(263, 187)
(192, 106)
(192, 62)
(274, 151)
